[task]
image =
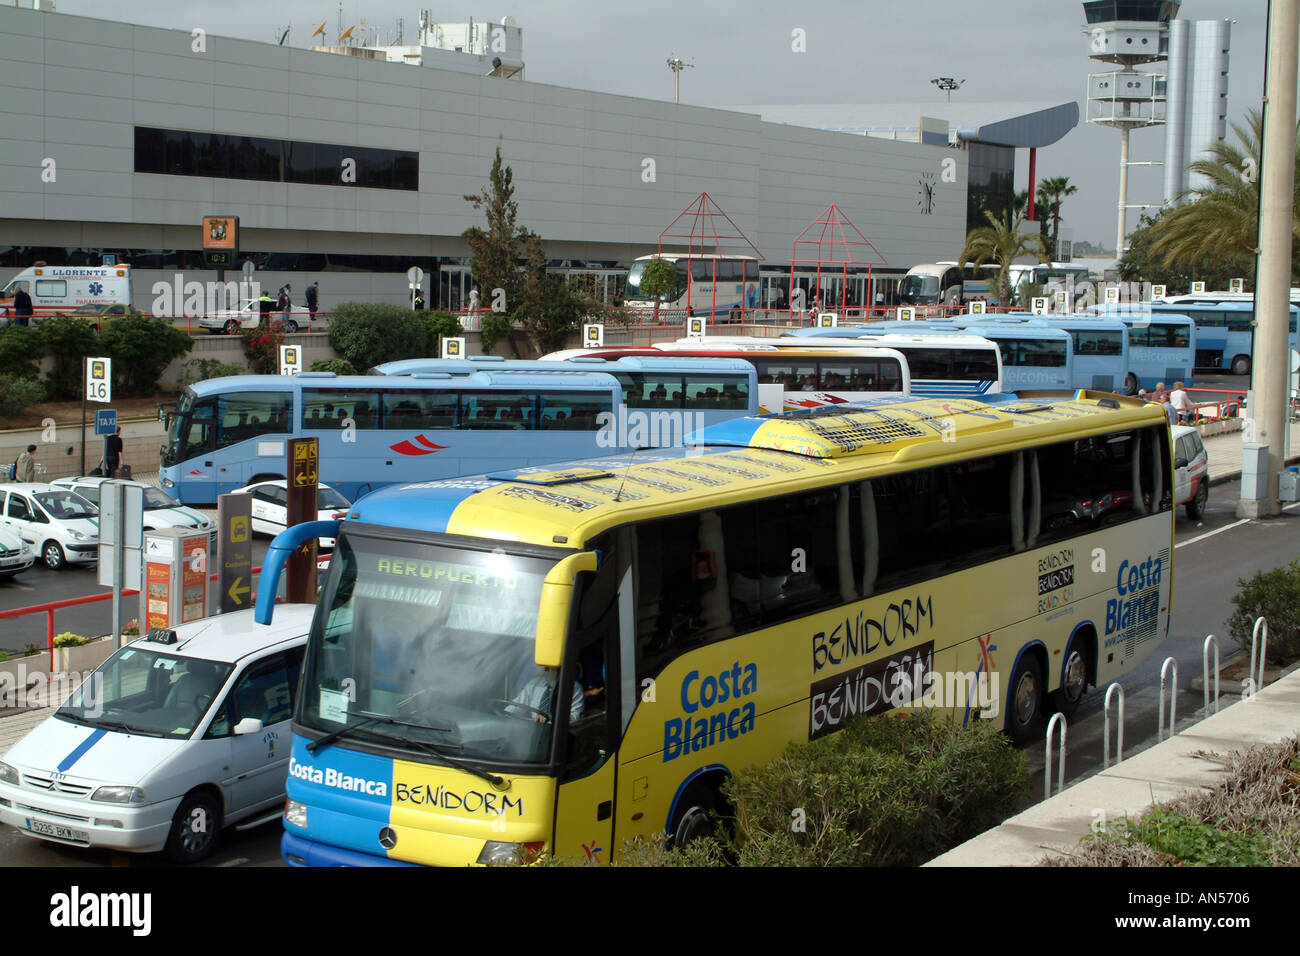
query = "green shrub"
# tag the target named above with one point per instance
(20, 350)
(1197, 843)
(262, 347)
(142, 347)
(17, 394)
(4, 657)
(67, 341)
(496, 326)
(367, 334)
(31, 650)
(68, 639)
(442, 325)
(200, 370)
(1274, 595)
(888, 791)
(337, 366)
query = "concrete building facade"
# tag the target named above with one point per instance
(121, 137)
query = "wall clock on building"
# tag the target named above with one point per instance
(925, 193)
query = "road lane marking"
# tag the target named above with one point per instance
(1228, 527)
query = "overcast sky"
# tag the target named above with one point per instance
(858, 51)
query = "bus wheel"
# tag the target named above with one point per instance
(695, 816)
(1074, 679)
(1241, 365)
(1131, 384)
(1026, 699)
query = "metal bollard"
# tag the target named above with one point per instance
(1205, 672)
(1057, 720)
(1119, 734)
(1173, 700)
(1257, 683)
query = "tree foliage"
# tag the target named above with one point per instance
(67, 341)
(1002, 242)
(1051, 191)
(371, 333)
(1219, 220)
(1142, 263)
(497, 251)
(142, 347)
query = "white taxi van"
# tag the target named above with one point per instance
(1191, 470)
(15, 553)
(60, 524)
(174, 737)
(57, 289)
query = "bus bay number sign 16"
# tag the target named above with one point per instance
(99, 380)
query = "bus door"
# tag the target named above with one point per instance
(599, 665)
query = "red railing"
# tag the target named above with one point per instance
(1227, 407)
(50, 607)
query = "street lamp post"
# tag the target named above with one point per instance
(676, 64)
(947, 84)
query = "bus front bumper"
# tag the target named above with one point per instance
(298, 851)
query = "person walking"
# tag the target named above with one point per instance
(313, 297)
(473, 301)
(26, 465)
(22, 307)
(113, 452)
(418, 302)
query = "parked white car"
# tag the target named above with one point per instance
(270, 507)
(60, 524)
(231, 321)
(15, 554)
(161, 510)
(1191, 470)
(176, 736)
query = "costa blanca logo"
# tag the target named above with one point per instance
(417, 446)
(339, 781)
(76, 909)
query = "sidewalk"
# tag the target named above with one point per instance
(1156, 775)
(15, 726)
(1225, 454)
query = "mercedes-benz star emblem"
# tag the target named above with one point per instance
(388, 838)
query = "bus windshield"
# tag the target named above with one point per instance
(919, 288)
(438, 644)
(632, 290)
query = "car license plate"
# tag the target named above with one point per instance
(63, 833)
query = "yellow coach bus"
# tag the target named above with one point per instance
(564, 658)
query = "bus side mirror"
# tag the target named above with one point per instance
(557, 600)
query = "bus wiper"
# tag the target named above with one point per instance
(368, 719)
(499, 782)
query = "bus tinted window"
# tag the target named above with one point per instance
(716, 391)
(652, 389)
(950, 364)
(574, 411)
(1159, 336)
(243, 415)
(496, 410)
(407, 410)
(1035, 353)
(862, 375)
(1088, 342)
(331, 408)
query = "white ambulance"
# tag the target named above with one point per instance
(57, 289)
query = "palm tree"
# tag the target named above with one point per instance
(1002, 243)
(1050, 193)
(1221, 216)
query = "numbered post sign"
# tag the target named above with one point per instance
(453, 348)
(1039, 305)
(593, 335)
(1112, 295)
(828, 320)
(906, 314)
(977, 307)
(1157, 292)
(1198, 287)
(290, 359)
(99, 380)
(1237, 285)
(695, 328)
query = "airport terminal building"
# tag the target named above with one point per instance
(119, 138)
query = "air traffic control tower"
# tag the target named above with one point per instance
(1127, 33)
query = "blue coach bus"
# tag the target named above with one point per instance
(375, 430)
(1225, 332)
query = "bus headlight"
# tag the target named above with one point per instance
(8, 774)
(295, 813)
(508, 854)
(118, 795)
(168, 483)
